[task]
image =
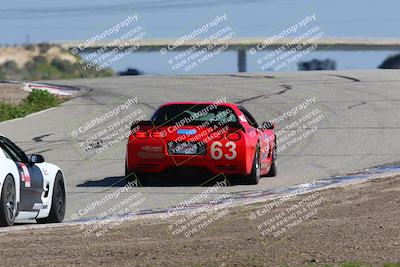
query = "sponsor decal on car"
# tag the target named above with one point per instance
(187, 131)
(25, 177)
(150, 152)
(242, 118)
(151, 148)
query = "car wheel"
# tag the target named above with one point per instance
(129, 176)
(143, 178)
(272, 171)
(254, 176)
(8, 205)
(57, 211)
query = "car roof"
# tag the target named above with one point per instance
(199, 103)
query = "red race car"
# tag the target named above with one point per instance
(218, 137)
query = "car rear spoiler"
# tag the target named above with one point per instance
(141, 123)
(154, 124)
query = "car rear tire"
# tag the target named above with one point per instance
(144, 178)
(272, 171)
(8, 204)
(58, 204)
(254, 177)
(129, 176)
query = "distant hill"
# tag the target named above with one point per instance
(43, 62)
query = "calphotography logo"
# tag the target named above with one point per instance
(125, 37)
(291, 50)
(193, 217)
(284, 214)
(112, 127)
(107, 213)
(297, 124)
(215, 35)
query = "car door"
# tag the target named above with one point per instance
(31, 178)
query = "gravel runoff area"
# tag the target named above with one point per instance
(359, 222)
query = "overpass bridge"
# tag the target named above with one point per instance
(241, 45)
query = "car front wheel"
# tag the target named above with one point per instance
(8, 205)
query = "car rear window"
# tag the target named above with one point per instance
(186, 114)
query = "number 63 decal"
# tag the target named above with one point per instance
(217, 153)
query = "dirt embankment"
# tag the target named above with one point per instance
(44, 61)
(12, 93)
(21, 55)
(356, 223)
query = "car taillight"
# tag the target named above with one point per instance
(141, 135)
(158, 134)
(233, 136)
(216, 136)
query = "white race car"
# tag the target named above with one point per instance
(31, 189)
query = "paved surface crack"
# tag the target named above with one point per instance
(346, 77)
(356, 105)
(249, 99)
(252, 77)
(287, 88)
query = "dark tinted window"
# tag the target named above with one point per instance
(188, 114)
(249, 117)
(12, 151)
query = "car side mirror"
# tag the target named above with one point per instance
(36, 158)
(268, 125)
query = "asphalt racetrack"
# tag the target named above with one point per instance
(359, 128)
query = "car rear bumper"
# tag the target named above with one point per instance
(152, 160)
(175, 162)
